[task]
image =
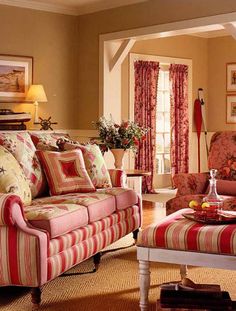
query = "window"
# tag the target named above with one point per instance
(163, 122)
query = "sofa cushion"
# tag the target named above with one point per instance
(12, 177)
(23, 149)
(99, 205)
(123, 197)
(94, 163)
(65, 171)
(225, 187)
(57, 219)
(46, 141)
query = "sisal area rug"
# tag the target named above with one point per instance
(114, 287)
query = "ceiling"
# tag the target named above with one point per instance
(71, 7)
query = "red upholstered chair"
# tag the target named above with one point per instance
(194, 186)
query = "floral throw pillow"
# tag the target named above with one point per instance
(12, 177)
(94, 163)
(46, 141)
(96, 166)
(20, 145)
(65, 171)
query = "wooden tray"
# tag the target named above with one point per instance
(220, 220)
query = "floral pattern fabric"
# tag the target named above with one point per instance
(22, 148)
(191, 183)
(146, 78)
(179, 119)
(94, 163)
(222, 154)
(46, 141)
(12, 177)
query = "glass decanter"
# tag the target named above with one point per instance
(213, 200)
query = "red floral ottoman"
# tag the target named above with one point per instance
(178, 240)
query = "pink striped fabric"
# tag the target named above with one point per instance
(71, 256)
(118, 178)
(179, 233)
(6, 202)
(70, 239)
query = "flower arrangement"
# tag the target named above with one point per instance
(126, 135)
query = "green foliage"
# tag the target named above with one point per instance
(125, 136)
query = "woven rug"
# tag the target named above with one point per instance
(114, 287)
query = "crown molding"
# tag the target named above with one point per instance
(68, 10)
(61, 9)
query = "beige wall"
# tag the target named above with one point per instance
(50, 39)
(221, 51)
(139, 15)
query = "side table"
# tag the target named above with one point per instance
(134, 179)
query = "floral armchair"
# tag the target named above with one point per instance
(194, 186)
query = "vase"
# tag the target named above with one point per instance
(118, 155)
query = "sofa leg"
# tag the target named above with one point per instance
(96, 260)
(36, 297)
(135, 234)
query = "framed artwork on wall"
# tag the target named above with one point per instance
(231, 77)
(231, 108)
(16, 76)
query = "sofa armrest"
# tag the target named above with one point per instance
(23, 239)
(7, 212)
(191, 183)
(118, 178)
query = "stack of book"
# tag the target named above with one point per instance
(13, 121)
(195, 296)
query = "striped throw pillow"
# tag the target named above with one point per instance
(65, 171)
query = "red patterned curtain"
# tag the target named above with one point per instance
(146, 77)
(179, 118)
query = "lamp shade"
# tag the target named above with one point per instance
(36, 93)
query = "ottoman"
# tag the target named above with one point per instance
(178, 240)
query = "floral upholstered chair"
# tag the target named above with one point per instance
(194, 186)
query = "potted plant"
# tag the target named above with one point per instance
(119, 137)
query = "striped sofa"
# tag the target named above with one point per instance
(69, 228)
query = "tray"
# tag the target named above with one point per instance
(220, 220)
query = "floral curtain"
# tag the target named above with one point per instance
(146, 77)
(179, 118)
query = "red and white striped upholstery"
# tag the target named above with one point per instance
(178, 233)
(78, 245)
(28, 257)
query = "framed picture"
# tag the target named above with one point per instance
(231, 108)
(231, 77)
(16, 75)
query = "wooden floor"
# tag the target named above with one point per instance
(152, 212)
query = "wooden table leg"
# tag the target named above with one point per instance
(144, 281)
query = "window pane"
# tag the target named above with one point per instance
(161, 80)
(167, 143)
(166, 163)
(160, 143)
(166, 80)
(167, 122)
(160, 164)
(167, 101)
(160, 122)
(160, 101)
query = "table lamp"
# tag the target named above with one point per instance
(37, 95)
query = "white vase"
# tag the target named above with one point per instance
(118, 155)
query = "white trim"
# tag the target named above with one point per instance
(41, 6)
(121, 53)
(230, 28)
(66, 9)
(190, 26)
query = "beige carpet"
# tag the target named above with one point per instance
(113, 287)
